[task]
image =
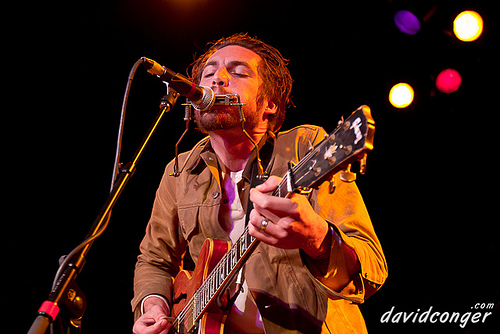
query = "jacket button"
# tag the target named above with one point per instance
(215, 194)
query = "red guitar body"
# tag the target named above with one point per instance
(187, 282)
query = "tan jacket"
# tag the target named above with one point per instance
(291, 294)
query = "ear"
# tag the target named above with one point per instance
(270, 108)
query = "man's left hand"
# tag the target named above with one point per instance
(292, 222)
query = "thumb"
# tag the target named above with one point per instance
(162, 326)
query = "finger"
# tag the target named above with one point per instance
(278, 206)
(255, 219)
(149, 326)
(274, 230)
(256, 222)
(152, 322)
(262, 235)
(164, 326)
(270, 184)
(258, 214)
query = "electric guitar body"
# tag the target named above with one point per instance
(186, 284)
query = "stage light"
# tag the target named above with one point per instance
(448, 81)
(401, 95)
(407, 22)
(468, 26)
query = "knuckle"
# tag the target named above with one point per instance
(265, 203)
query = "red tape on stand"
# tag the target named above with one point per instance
(51, 309)
(191, 92)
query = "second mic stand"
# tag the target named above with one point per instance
(64, 286)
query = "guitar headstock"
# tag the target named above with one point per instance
(349, 142)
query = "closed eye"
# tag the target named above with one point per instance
(241, 75)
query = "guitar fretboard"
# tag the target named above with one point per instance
(217, 281)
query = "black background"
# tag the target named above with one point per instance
(431, 185)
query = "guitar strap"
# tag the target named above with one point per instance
(267, 157)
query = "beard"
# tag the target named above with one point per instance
(224, 118)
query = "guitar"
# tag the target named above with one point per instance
(199, 297)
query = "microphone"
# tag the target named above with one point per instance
(202, 98)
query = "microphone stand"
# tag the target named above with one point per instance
(64, 290)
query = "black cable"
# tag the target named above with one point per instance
(119, 139)
(122, 122)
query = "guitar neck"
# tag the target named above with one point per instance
(219, 279)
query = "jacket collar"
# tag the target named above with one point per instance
(206, 157)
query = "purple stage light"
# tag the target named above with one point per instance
(407, 22)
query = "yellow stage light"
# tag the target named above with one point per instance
(401, 95)
(468, 26)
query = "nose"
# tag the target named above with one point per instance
(221, 78)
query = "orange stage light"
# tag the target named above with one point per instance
(468, 26)
(401, 95)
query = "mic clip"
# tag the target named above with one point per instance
(223, 100)
(228, 100)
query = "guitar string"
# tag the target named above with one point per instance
(188, 310)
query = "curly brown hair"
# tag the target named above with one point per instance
(273, 70)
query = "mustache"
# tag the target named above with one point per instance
(218, 90)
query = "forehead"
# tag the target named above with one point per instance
(234, 53)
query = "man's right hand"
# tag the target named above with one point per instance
(153, 321)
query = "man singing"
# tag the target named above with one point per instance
(319, 255)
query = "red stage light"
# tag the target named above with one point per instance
(448, 81)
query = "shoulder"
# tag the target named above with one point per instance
(306, 134)
(189, 159)
(295, 143)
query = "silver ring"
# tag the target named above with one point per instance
(263, 224)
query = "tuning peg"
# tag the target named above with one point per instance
(347, 175)
(362, 164)
(331, 186)
(311, 147)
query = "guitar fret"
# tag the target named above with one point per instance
(205, 295)
(241, 246)
(190, 317)
(233, 257)
(195, 305)
(216, 280)
(211, 290)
